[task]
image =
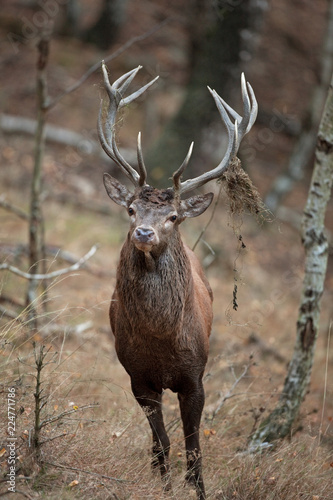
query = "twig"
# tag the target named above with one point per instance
(21, 478)
(40, 401)
(210, 219)
(9, 313)
(265, 348)
(54, 274)
(65, 413)
(63, 434)
(10, 300)
(97, 65)
(69, 330)
(173, 424)
(56, 253)
(229, 394)
(72, 259)
(11, 208)
(67, 467)
(5, 493)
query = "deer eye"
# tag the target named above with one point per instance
(131, 211)
(173, 218)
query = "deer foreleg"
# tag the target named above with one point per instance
(191, 406)
(151, 403)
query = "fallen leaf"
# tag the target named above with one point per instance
(2, 452)
(209, 432)
(73, 483)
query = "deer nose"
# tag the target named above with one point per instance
(144, 234)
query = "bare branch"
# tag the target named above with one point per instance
(69, 330)
(54, 274)
(11, 208)
(65, 413)
(4, 311)
(115, 54)
(210, 219)
(23, 493)
(85, 145)
(230, 394)
(87, 472)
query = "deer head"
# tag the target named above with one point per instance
(154, 214)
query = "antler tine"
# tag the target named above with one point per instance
(116, 102)
(135, 95)
(177, 175)
(127, 78)
(236, 131)
(254, 109)
(141, 163)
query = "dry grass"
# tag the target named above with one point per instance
(113, 439)
(103, 452)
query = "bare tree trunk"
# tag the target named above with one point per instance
(71, 18)
(105, 31)
(279, 422)
(36, 225)
(305, 145)
(216, 44)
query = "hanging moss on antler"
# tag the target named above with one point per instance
(242, 195)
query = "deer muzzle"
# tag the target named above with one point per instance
(144, 238)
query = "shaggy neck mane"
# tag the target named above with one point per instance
(154, 298)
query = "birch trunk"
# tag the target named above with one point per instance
(279, 422)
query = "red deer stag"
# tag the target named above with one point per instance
(161, 309)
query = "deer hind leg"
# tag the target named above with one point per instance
(151, 403)
(191, 405)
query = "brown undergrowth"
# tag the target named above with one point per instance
(103, 451)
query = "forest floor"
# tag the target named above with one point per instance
(97, 440)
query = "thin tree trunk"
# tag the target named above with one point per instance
(279, 423)
(105, 31)
(306, 143)
(36, 225)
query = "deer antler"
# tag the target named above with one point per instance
(236, 132)
(116, 92)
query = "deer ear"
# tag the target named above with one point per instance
(116, 191)
(196, 205)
